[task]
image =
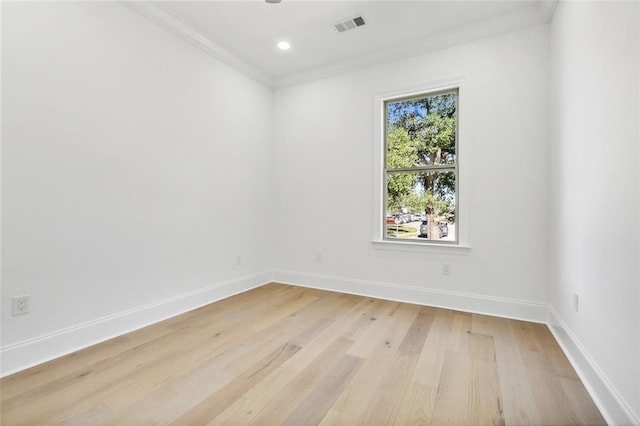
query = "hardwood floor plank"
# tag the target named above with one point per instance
(581, 403)
(337, 418)
(244, 409)
(552, 404)
(358, 399)
(452, 401)
(318, 402)
(413, 342)
(518, 402)
(484, 387)
(293, 393)
(207, 344)
(275, 315)
(368, 312)
(433, 352)
(482, 347)
(77, 362)
(459, 333)
(416, 406)
(281, 354)
(263, 343)
(97, 414)
(374, 335)
(384, 338)
(526, 336)
(551, 349)
(212, 406)
(294, 329)
(173, 398)
(115, 379)
(485, 400)
(340, 327)
(384, 402)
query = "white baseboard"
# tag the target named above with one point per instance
(467, 302)
(611, 405)
(28, 353)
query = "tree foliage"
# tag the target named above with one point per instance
(401, 152)
(422, 132)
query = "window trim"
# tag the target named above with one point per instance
(417, 169)
(379, 239)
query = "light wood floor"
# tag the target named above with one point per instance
(287, 355)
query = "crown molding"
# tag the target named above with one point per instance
(162, 17)
(536, 14)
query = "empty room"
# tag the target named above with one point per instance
(320, 212)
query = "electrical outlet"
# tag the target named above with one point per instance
(319, 256)
(20, 305)
(575, 301)
(238, 260)
(446, 269)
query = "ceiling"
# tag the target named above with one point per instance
(244, 33)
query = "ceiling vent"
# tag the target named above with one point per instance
(349, 24)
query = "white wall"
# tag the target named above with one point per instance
(324, 173)
(595, 230)
(134, 169)
(121, 191)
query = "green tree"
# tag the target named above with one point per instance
(424, 134)
(401, 152)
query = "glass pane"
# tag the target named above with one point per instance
(421, 132)
(421, 206)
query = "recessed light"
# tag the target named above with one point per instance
(284, 45)
(272, 1)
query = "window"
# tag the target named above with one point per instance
(421, 167)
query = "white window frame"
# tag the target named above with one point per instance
(379, 170)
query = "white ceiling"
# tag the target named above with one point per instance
(244, 33)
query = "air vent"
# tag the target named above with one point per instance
(349, 24)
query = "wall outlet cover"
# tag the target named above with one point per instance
(20, 305)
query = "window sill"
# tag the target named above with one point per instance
(459, 249)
